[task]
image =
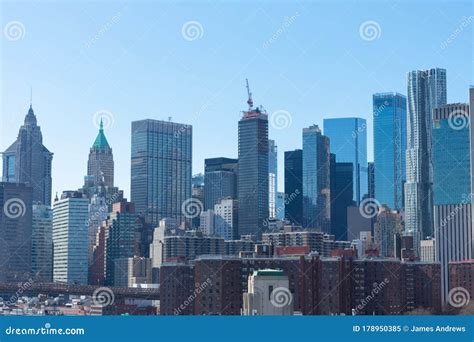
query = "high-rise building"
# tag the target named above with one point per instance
(225, 219)
(220, 180)
(426, 91)
(28, 161)
(348, 138)
(316, 180)
(15, 231)
(122, 231)
(42, 243)
(101, 160)
(280, 206)
(272, 178)
(453, 227)
(70, 243)
(341, 196)
(161, 169)
(389, 113)
(294, 186)
(252, 182)
(388, 226)
(197, 193)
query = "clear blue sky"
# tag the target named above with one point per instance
(132, 60)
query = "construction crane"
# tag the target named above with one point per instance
(249, 101)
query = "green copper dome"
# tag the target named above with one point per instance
(101, 141)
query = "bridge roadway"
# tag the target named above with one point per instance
(34, 288)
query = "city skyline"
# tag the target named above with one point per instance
(299, 94)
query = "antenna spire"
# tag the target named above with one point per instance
(249, 94)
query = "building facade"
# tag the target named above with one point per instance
(294, 186)
(341, 196)
(220, 180)
(42, 243)
(161, 169)
(389, 114)
(426, 91)
(272, 178)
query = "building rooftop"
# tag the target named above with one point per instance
(268, 273)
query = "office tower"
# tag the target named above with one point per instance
(101, 160)
(428, 250)
(252, 185)
(426, 91)
(161, 169)
(206, 219)
(28, 161)
(272, 178)
(388, 226)
(294, 186)
(225, 219)
(15, 231)
(471, 145)
(316, 180)
(389, 114)
(42, 243)
(371, 180)
(166, 227)
(348, 138)
(122, 231)
(70, 238)
(453, 228)
(268, 294)
(220, 180)
(341, 196)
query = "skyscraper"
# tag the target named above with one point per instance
(220, 180)
(252, 182)
(225, 219)
(453, 228)
(426, 91)
(294, 186)
(161, 169)
(42, 243)
(341, 196)
(316, 179)
(348, 138)
(101, 160)
(15, 231)
(389, 113)
(272, 177)
(28, 161)
(70, 262)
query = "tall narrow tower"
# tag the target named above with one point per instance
(101, 160)
(252, 182)
(28, 161)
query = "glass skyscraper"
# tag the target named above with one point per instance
(348, 138)
(389, 113)
(426, 91)
(451, 187)
(294, 186)
(253, 172)
(220, 180)
(160, 169)
(316, 179)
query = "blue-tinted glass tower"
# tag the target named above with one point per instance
(389, 113)
(348, 138)
(294, 186)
